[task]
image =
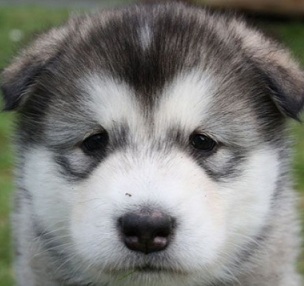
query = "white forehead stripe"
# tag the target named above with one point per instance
(112, 102)
(185, 102)
(145, 36)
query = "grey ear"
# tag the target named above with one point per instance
(15, 88)
(286, 88)
(282, 74)
(19, 79)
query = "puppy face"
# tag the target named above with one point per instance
(152, 143)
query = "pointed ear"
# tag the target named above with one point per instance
(281, 73)
(19, 79)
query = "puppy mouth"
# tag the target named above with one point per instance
(149, 268)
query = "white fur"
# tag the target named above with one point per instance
(185, 102)
(53, 196)
(85, 215)
(111, 102)
(145, 36)
(215, 220)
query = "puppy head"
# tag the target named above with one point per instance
(152, 142)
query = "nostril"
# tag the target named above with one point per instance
(146, 231)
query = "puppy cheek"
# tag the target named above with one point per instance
(248, 199)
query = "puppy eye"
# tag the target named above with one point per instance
(202, 142)
(95, 142)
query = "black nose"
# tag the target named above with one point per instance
(146, 231)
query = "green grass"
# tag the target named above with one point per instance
(299, 157)
(32, 20)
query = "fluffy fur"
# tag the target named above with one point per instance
(151, 76)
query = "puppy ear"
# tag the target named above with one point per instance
(18, 80)
(281, 73)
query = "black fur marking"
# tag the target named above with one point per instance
(73, 174)
(80, 170)
(218, 170)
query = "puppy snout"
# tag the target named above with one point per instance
(146, 231)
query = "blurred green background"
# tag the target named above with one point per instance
(17, 27)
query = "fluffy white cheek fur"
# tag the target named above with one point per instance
(247, 200)
(175, 185)
(52, 195)
(215, 220)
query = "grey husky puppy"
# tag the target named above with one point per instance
(153, 151)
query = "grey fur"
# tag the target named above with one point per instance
(258, 86)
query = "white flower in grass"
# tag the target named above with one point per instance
(15, 35)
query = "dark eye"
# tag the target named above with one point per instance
(95, 142)
(202, 142)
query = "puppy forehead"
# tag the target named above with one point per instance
(182, 102)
